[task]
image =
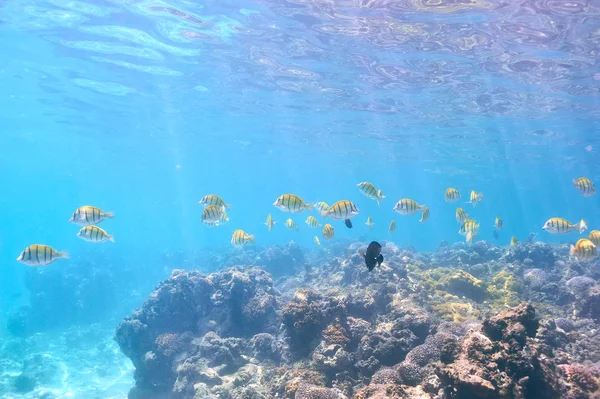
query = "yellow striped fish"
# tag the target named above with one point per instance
(563, 226)
(94, 234)
(291, 225)
(316, 240)
(584, 250)
(321, 206)
(513, 241)
(461, 215)
(370, 191)
(407, 206)
(40, 255)
(475, 198)
(451, 194)
(328, 232)
(595, 237)
(89, 215)
(312, 221)
(341, 210)
(270, 222)
(370, 222)
(223, 220)
(291, 203)
(241, 238)
(470, 238)
(498, 223)
(585, 186)
(424, 215)
(212, 213)
(392, 226)
(469, 225)
(212, 199)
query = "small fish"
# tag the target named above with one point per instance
(495, 234)
(341, 210)
(373, 255)
(408, 207)
(328, 232)
(291, 225)
(321, 206)
(475, 198)
(370, 191)
(461, 215)
(212, 213)
(469, 226)
(470, 237)
(595, 237)
(585, 186)
(212, 199)
(584, 250)
(270, 222)
(89, 215)
(348, 223)
(94, 234)
(513, 241)
(312, 221)
(40, 255)
(370, 222)
(498, 223)
(316, 240)
(451, 195)
(563, 226)
(241, 238)
(291, 203)
(531, 237)
(392, 226)
(424, 215)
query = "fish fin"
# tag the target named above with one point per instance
(378, 201)
(582, 226)
(63, 254)
(309, 207)
(251, 238)
(572, 250)
(109, 215)
(111, 238)
(227, 206)
(423, 208)
(380, 259)
(324, 214)
(362, 253)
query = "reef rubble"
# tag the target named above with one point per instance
(463, 322)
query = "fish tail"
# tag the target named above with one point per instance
(251, 238)
(572, 250)
(581, 226)
(63, 254)
(228, 206)
(109, 215)
(423, 208)
(309, 207)
(110, 238)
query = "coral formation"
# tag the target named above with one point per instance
(463, 322)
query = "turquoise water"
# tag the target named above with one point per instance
(144, 107)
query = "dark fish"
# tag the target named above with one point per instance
(348, 223)
(495, 234)
(373, 256)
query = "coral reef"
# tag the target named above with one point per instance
(463, 322)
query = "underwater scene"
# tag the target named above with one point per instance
(299, 199)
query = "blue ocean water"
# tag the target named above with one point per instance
(144, 107)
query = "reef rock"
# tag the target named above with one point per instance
(193, 314)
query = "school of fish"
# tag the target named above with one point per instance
(214, 214)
